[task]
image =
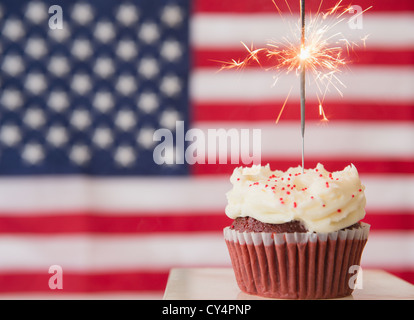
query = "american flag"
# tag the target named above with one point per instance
(79, 187)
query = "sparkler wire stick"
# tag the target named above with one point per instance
(302, 81)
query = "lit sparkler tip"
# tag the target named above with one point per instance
(304, 54)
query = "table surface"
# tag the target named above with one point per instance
(220, 284)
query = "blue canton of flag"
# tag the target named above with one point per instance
(87, 98)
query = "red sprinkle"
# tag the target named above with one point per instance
(294, 204)
(327, 184)
(353, 196)
(287, 192)
(339, 210)
(360, 190)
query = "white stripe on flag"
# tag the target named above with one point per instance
(112, 252)
(379, 84)
(191, 195)
(333, 140)
(389, 250)
(225, 31)
(109, 194)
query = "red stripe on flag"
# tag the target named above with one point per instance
(13, 282)
(115, 223)
(401, 221)
(142, 223)
(258, 6)
(269, 110)
(217, 57)
(365, 166)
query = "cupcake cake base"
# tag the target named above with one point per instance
(298, 265)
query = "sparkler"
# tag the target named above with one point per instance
(303, 57)
(319, 53)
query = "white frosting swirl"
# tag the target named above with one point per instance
(322, 201)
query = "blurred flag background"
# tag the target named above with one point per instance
(79, 106)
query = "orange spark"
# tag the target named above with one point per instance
(283, 107)
(322, 113)
(238, 64)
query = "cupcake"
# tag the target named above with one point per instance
(296, 234)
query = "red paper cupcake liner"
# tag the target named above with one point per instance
(296, 265)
